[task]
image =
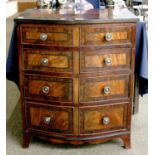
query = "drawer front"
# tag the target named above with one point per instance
(46, 35)
(53, 119)
(47, 60)
(107, 34)
(102, 88)
(48, 88)
(102, 59)
(104, 118)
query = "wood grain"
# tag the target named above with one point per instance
(92, 89)
(56, 35)
(54, 60)
(76, 121)
(96, 89)
(70, 17)
(61, 121)
(58, 60)
(99, 60)
(76, 75)
(91, 119)
(56, 89)
(94, 59)
(98, 37)
(60, 89)
(95, 34)
(76, 33)
(90, 141)
(59, 118)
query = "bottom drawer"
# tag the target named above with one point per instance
(49, 118)
(103, 118)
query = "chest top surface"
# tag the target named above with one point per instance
(64, 16)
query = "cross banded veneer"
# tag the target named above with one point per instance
(76, 75)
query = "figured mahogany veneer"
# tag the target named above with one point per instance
(92, 119)
(53, 119)
(96, 59)
(49, 88)
(99, 61)
(55, 35)
(96, 34)
(76, 75)
(93, 89)
(48, 60)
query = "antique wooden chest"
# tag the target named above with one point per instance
(76, 73)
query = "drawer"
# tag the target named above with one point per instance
(47, 118)
(107, 34)
(47, 60)
(104, 88)
(103, 118)
(92, 60)
(48, 88)
(46, 35)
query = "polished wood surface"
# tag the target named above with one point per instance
(99, 61)
(96, 89)
(92, 89)
(59, 89)
(54, 60)
(95, 59)
(56, 89)
(91, 119)
(69, 16)
(59, 118)
(125, 138)
(76, 75)
(48, 60)
(56, 35)
(96, 34)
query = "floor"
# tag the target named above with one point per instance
(139, 136)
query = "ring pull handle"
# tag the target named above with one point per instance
(108, 36)
(43, 36)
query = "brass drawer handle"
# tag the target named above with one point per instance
(43, 36)
(108, 36)
(45, 89)
(47, 120)
(44, 61)
(106, 120)
(108, 61)
(106, 90)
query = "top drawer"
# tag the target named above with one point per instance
(46, 35)
(107, 34)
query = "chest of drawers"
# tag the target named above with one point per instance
(76, 75)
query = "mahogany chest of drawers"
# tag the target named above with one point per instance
(76, 75)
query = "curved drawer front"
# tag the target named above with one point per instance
(53, 119)
(47, 60)
(102, 59)
(112, 34)
(104, 118)
(49, 88)
(46, 35)
(102, 88)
